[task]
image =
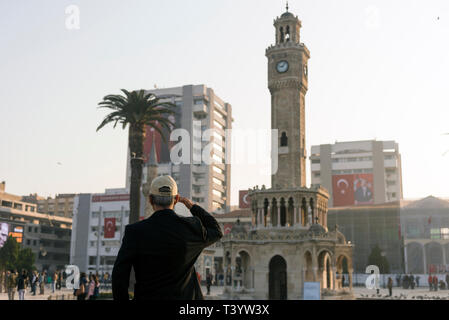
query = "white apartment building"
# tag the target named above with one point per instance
(358, 172)
(90, 250)
(198, 110)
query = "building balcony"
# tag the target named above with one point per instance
(200, 110)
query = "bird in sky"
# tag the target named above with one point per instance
(59, 163)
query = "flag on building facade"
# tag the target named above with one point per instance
(109, 228)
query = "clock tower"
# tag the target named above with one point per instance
(287, 81)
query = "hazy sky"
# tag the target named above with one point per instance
(378, 69)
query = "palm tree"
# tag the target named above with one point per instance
(137, 110)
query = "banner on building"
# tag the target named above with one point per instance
(227, 228)
(109, 228)
(244, 200)
(17, 233)
(352, 189)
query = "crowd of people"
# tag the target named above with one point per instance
(35, 283)
(11, 281)
(410, 282)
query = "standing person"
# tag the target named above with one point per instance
(42, 283)
(435, 283)
(417, 281)
(412, 281)
(342, 280)
(430, 282)
(163, 248)
(59, 280)
(34, 282)
(390, 286)
(54, 280)
(11, 283)
(94, 285)
(81, 292)
(22, 284)
(208, 282)
(398, 280)
(2, 276)
(447, 280)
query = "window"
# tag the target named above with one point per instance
(284, 139)
(219, 125)
(316, 161)
(198, 101)
(218, 170)
(217, 181)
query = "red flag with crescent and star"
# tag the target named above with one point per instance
(109, 228)
(342, 190)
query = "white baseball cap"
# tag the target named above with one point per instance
(164, 186)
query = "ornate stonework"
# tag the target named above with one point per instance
(289, 242)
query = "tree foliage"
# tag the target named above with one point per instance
(14, 257)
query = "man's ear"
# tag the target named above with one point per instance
(176, 199)
(151, 199)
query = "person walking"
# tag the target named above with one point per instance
(208, 282)
(163, 248)
(11, 284)
(390, 286)
(22, 284)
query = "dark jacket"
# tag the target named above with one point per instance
(163, 249)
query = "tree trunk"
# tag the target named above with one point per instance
(135, 141)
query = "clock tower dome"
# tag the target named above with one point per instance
(287, 82)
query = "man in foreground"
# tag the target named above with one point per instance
(163, 248)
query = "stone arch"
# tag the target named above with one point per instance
(290, 212)
(283, 212)
(277, 278)
(312, 210)
(246, 269)
(274, 212)
(265, 212)
(325, 269)
(415, 258)
(343, 265)
(308, 266)
(304, 213)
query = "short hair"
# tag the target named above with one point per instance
(162, 201)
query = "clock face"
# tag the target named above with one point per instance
(282, 66)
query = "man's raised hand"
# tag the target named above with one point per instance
(187, 202)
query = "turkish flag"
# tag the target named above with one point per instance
(244, 200)
(109, 228)
(343, 190)
(227, 228)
